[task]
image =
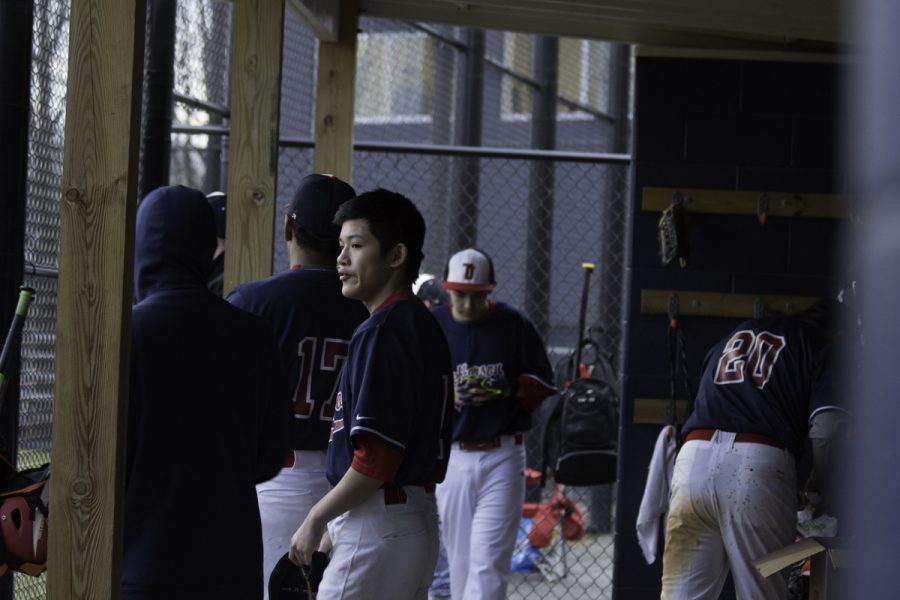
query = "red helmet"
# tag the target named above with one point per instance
(24, 531)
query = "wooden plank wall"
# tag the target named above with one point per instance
(253, 158)
(106, 45)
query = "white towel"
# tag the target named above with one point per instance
(656, 493)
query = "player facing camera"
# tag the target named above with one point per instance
(390, 435)
(382, 234)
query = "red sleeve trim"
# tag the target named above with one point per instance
(375, 458)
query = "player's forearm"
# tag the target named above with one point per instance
(824, 428)
(353, 489)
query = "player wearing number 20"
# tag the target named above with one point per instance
(312, 322)
(734, 486)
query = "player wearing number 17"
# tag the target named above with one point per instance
(734, 486)
(312, 322)
(391, 433)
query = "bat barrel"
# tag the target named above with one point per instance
(582, 314)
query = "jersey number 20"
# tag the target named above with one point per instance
(334, 351)
(749, 354)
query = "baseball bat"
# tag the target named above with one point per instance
(582, 314)
(14, 335)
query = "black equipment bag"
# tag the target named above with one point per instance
(582, 434)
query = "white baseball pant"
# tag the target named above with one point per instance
(480, 503)
(731, 503)
(284, 502)
(382, 549)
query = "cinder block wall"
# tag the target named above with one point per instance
(721, 124)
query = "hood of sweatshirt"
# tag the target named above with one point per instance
(175, 238)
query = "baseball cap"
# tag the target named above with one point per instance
(217, 201)
(469, 270)
(315, 202)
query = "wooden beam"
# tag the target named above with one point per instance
(652, 411)
(322, 17)
(664, 24)
(99, 189)
(721, 304)
(253, 155)
(336, 84)
(745, 55)
(731, 202)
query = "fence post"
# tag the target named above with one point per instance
(466, 171)
(16, 18)
(99, 189)
(335, 97)
(540, 191)
(156, 143)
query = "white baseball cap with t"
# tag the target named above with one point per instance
(470, 270)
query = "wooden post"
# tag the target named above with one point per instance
(253, 144)
(106, 57)
(335, 91)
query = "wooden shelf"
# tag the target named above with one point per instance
(652, 411)
(731, 202)
(721, 304)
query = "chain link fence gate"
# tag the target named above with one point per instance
(475, 184)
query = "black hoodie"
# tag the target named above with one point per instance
(207, 416)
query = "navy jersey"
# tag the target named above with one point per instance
(312, 322)
(759, 379)
(396, 385)
(504, 343)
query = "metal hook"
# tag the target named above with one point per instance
(762, 208)
(759, 308)
(672, 309)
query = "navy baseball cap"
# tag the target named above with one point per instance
(315, 202)
(217, 202)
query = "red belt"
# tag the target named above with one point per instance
(488, 444)
(753, 438)
(397, 495)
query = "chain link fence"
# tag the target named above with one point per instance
(586, 223)
(201, 70)
(49, 60)
(426, 126)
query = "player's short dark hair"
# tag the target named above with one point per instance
(393, 219)
(307, 240)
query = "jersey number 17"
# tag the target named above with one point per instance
(327, 376)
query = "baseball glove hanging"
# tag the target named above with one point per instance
(672, 233)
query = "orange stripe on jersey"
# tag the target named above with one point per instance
(375, 458)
